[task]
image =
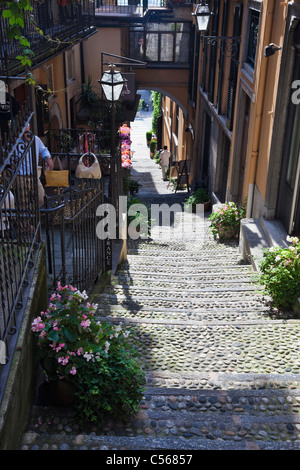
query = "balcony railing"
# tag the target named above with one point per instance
(132, 7)
(60, 23)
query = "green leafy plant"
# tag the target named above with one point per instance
(280, 273)
(200, 196)
(153, 145)
(225, 221)
(156, 156)
(156, 98)
(131, 186)
(139, 216)
(98, 358)
(90, 105)
(148, 136)
(14, 13)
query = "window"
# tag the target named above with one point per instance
(252, 36)
(50, 81)
(69, 66)
(161, 42)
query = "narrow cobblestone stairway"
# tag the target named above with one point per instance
(222, 369)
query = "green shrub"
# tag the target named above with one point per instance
(200, 196)
(98, 359)
(153, 145)
(225, 221)
(280, 273)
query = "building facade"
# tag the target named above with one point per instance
(241, 126)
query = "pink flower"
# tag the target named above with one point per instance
(85, 323)
(37, 324)
(73, 370)
(63, 360)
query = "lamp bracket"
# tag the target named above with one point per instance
(228, 45)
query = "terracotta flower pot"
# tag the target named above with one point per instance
(226, 232)
(62, 392)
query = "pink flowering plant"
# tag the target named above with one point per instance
(98, 357)
(279, 273)
(225, 221)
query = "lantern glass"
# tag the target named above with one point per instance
(202, 15)
(112, 84)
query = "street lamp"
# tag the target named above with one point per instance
(202, 15)
(112, 84)
(228, 45)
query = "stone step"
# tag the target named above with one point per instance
(178, 419)
(173, 315)
(168, 261)
(163, 252)
(247, 300)
(184, 270)
(181, 290)
(34, 441)
(220, 347)
(208, 278)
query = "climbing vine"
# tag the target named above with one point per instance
(15, 12)
(156, 98)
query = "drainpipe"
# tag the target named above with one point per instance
(259, 109)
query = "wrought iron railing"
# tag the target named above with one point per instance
(19, 238)
(132, 7)
(51, 25)
(75, 255)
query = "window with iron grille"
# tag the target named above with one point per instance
(252, 36)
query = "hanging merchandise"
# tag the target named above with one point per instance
(91, 171)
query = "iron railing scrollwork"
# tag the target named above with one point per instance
(19, 238)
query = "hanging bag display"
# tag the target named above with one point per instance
(93, 171)
(59, 177)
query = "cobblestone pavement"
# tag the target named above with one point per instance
(222, 367)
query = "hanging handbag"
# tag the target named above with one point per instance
(59, 177)
(92, 171)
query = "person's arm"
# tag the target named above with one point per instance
(43, 150)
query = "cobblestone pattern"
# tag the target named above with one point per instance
(222, 366)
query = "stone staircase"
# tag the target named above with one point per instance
(222, 367)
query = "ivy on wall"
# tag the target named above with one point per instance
(14, 12)
(156, 98)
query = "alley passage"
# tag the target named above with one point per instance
(222, 369)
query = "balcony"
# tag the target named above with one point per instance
(61, 22)
(132, 11)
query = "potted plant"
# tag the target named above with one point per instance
(89, 103)
(200, 196)
(152, 146)
(279, 273)
(225, 221)
(92, 357)
(134, 187)
(148, 137)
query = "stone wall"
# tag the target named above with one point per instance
(20, 388)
